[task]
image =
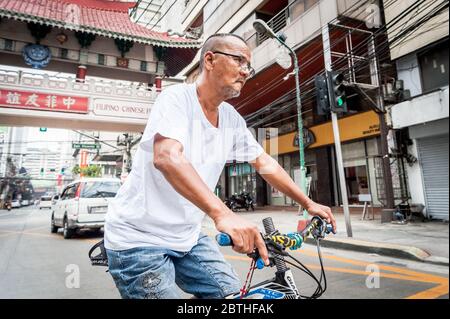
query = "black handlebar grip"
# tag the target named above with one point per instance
(279, 260)
(268, 225)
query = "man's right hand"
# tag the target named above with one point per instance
(245, 235)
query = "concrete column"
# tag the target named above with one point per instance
(158, 84)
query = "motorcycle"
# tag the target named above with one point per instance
(242, 201)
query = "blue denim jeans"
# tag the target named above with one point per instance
(152, 272)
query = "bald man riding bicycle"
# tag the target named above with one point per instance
(152, 231)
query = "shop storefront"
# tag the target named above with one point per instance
(360, 148)
(241, 178)
(432, 140)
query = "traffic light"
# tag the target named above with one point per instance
(322, 99)
(42, 129)
(339, 98)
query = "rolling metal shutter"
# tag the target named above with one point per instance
(433, 152)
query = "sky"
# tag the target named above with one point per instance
(48, 139)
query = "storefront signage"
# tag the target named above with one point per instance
(308, 138)
(43, 101)
(116, 108)
(362, 125)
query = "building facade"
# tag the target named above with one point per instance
(421, 119)
(268, 100)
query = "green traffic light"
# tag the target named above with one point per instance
(340, 102)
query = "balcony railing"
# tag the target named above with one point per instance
(282, 19)
(89, 87)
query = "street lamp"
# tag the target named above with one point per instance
(262, 28)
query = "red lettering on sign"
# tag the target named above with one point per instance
(43, 101)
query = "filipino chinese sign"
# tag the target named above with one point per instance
(43, 101)
(113, 108)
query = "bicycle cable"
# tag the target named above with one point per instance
(320, 288)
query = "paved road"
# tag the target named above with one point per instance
(37, 264)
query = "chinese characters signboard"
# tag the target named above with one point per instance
(43, 101)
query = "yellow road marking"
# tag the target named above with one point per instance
(400, 273)
(435, 292)
(4, 235)
(423, 277)
(432, 293)
(350, 271)
(430, 278)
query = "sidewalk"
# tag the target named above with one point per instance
(421, 241)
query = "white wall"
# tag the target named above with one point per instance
(305, 27)
(408, 70)
(432, 30)
(422, 109)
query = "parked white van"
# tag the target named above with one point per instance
(83, 204)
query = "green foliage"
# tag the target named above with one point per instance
(89, 171)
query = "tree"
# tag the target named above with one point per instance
(89, 171)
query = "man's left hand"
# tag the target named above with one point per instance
(315, 209)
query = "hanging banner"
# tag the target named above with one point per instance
(43, 101)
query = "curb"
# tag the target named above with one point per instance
(390, 250)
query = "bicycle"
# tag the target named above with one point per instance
(282, 286)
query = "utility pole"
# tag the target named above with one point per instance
(129, 141)
(384, 130)
(262, 28)
(337, 139)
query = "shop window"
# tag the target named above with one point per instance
(434, 67)
(357, 182)
(242, 179)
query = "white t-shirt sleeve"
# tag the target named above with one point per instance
(168, 118)
(245, 147)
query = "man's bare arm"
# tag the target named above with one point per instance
(276, 176)
(179, 172)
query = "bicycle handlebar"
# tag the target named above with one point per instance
(317, 227)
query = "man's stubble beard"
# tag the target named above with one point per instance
(231, 93)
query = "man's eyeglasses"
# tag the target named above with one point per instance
(244, 65)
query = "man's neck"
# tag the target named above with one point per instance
(208, 97)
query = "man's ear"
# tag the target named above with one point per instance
(208, 60)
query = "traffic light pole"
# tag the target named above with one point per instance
(301, 146)
(337, 138)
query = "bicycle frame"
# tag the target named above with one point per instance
(283, 286)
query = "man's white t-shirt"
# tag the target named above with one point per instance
(147, 210)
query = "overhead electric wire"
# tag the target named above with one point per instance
(386, 46)
(143, 11)
(266, 87)
(320, 53)
(160, 18)
(377, 52)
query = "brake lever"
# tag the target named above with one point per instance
(273, 248)
(322, 229)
